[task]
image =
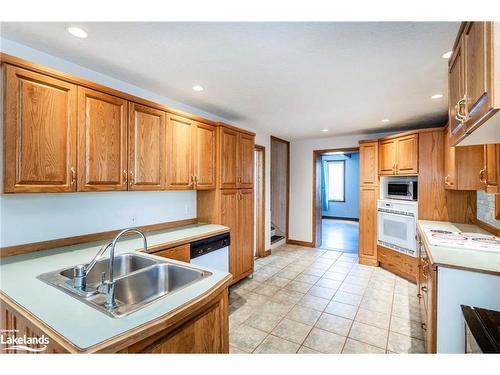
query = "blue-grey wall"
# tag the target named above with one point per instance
(349, 208)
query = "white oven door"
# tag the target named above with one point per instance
(398, 230)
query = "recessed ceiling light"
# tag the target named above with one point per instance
(324, 130)
(197, 88)
(446, 55)
(385, 120)
(437, 96)
(76, 31)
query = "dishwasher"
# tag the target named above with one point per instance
(212, 252)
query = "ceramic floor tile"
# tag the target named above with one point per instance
(328, 283)
(406, 312)
(306, 350)
(288, 274)
(304, 315)
(376, 305)
(235, 350)
(341, 309)
(404, 344)
(285, 296)
(292, 331)
(313, 302)
(322, 292)
(369, 334)
(263, 321)
(357, 347)
(275, 308)
(334, 276)
(246, 338)
(407, 327)
(276, 345)
(298, 286)
(314, 271)
(309, 279)
(276, 281)
(334, 323)
(374, 318)
(324, 341)
(347, 298)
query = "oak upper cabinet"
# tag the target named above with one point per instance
(246, 144)
(462, 165)
(398, 156)
(180, 155)
(102, 141)
(229, 155)
(40, 135)
(368, 195)
(147, 150)
(245, 256)
(205, 146)
(368, 154)
(473, 83)
(490, 174)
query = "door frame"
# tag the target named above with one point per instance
(316, 193)
(273, 138)
(260, 193)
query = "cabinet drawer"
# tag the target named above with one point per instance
(181, 253)
(401, 264)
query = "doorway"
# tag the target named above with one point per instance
(259, 201)
(280, 190)
(336, 199)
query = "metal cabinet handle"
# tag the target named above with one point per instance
(424, 288)
(131, 178)
(424, 326)
(447, 179)
(419, 295)
(73, 175)
(125, 177)
(458, 114)
(481, 176)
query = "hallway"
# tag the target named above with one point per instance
(340, 235)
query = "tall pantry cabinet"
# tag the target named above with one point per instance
(368, 194)
(232, 202)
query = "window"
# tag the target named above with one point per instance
(336, 181)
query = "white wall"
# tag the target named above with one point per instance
(264, 139)
(27, 218)
(301, 179)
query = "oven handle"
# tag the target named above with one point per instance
(398, 215)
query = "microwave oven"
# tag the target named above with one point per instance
(407, 190)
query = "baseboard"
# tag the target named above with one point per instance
(267, 253)
(341, 218)
(299, 243)
(368, 261)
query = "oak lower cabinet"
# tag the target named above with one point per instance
(368, 195)
(427, 293)
(102, 141)
(490, 174)
(398, 155)
(461, 165)
(40, 133)
(147, 149)
(181, 253)
(236, 158)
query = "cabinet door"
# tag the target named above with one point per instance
(477, 48)
(368, 160)
(228, 158)
(205, 156)
(246, 144)
(245, 231)
(368, 225)
(229, 218)
(146, 148)
(492, 164)
(40, 135)
(181, 253)
(449, 162)
(180, 168)
(387, 157)
(102, 141)
(407, 155)
(456, 91)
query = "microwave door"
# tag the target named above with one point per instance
(397, 230)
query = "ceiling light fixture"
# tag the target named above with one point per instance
(437, 96)
(76, 31)
(197, 88)
(446, 55)
(384, 120)
(324, 130)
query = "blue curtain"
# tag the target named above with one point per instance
(324, 185)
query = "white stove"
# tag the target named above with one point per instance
(466, 240)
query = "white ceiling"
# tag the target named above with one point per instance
(288, 79)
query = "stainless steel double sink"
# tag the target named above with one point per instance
(139, 281)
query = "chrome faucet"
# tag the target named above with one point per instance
(107, 287)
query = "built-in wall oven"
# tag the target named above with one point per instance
(397, 225)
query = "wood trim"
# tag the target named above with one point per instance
(220, 123)
(486, 227)
(51, 244)
(273, 138)
(261, 221)
(368, 261)
(13, 60)
(413, 132)
(267, 253)
(122, 341)
(299, 243)
(317, 216)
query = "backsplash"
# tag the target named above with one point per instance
(486, 208)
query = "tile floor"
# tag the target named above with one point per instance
(340, 234)
(303, 300)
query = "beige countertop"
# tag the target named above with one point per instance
(459, 257)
